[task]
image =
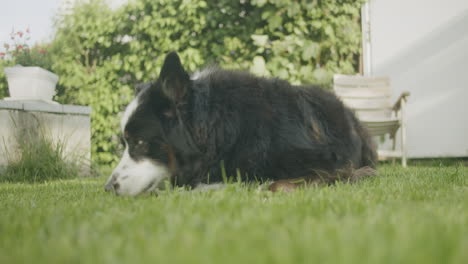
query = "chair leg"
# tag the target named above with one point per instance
(393, 138)
(403, 134)
(403, 150)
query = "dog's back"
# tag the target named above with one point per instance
(269, 129)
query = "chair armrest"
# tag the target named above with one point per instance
(402, 97)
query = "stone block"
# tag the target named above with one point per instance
(68, 125)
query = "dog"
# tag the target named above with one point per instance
(198, 129)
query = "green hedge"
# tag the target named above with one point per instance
(100, 53)
(3, 81)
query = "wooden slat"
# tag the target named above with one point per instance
(360, 103)
(377, 128)
(358, 80)
(388, 154)
(373, 114)
(356, 86)
(363, 85)
(362, 92)
(380, 132)
(380, 122)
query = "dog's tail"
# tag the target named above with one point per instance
(368, 149)
(347, 175)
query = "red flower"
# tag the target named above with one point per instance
(20, 33)
(42, 51)
(2, 54)
(19, 47)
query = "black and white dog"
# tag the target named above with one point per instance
(182, 127)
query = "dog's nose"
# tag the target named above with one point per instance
(108, 187)
(111, 184)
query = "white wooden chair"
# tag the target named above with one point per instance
(369, 98)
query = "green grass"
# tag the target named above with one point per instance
(37, 159)
(414, 215)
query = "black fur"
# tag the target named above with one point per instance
(263, 129)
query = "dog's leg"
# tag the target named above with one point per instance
(288, 185)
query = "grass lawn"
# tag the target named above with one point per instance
(414, 215)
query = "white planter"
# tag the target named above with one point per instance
(30, 83)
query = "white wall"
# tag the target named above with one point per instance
(423, 46)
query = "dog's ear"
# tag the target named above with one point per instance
(175, 81)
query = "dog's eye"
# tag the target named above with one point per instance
(141, 146)
(169, 114)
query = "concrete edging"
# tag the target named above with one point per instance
(38, 106)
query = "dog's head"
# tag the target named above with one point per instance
(153, 131)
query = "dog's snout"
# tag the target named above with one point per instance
(112, 183)
(108, 187)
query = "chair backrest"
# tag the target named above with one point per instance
(369, 97)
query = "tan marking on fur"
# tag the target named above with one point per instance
(347, 175)
(288, 185)
(170, 156)
(316, 132)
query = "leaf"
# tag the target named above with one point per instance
(321, 75)
(259, 66)
(282, 74)
(293, 9)
(260, 40)
(311, 50)
(259, 3)
(306, 70)
(329, 31)
(275, 22)
(139, 75)
(266, 14)
(316, 24)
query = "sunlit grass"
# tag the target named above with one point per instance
(414, 215)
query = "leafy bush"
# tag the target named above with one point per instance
(100, 53)
(3, 81)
